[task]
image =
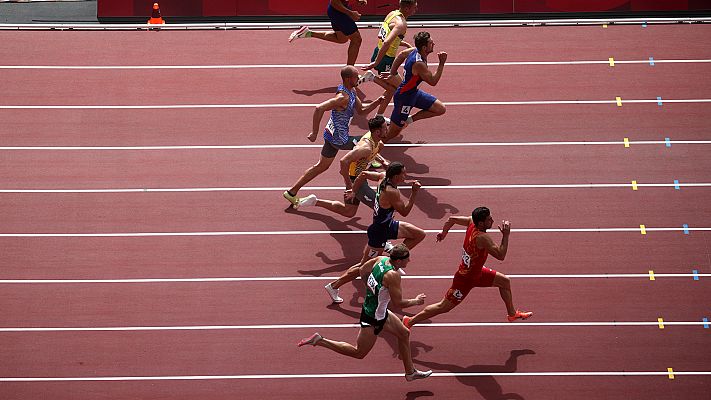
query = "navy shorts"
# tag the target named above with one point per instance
(405, 102)
(341, 22)
(378, 234)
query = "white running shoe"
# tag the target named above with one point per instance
(417, 375)
(388, 246)
(333, 294)
(313, 339)
(368, 76)
(303, 32)
(307, 201)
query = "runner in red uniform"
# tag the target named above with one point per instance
(472, 272)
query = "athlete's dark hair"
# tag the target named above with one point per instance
(421, 39)
(405, 3)
(480, 214)
(399, 252)
(376, 122)
(395, 168)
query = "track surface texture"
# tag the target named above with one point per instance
(146, 251)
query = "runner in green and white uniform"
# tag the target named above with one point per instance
(383, 284)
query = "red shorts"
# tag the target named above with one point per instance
(463, 284)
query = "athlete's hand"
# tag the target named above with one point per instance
(505, 228)
(416, 185)
(367, 67)
(348, 195)
(442, 57)
(355, 15)
(311, 136)
(420, 299)
(441, 236)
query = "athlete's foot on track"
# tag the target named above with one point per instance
(407, 322)
(519, 315)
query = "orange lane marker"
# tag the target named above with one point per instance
(155, 15)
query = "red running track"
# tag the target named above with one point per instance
(225, 344)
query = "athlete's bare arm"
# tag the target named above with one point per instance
(360, 180)
(391, 280)
(484, 241)
(401, 57)
(451, 221)
(367, 267)
(392, 196)
(340, 102)
(399, 28)
(420, 68)
(361, 150)
(367, 108)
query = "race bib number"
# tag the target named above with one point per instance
(372, 283)
(466, 259)
(382, 34)
(330, 127)
(406, 110)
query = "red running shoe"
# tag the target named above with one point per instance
(519, 314)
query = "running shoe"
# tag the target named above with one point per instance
(312, 340)
(519, 314)
(388, 246)
(417, 375)
(307, 201)
(292, 199)
(368, 76)
(406, 321)
(333, 294)
(303, 32)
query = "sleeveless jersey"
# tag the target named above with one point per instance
(411, 81)
(382, 216)
(473, 259)
(385, 31)
(377, 297)
(336, 131)
(361, 165)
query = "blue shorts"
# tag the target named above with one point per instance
(378, 234)
(405, 102)
(341, 22)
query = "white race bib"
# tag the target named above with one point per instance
(466, 259)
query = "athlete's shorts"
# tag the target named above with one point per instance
(365, 194)
(378, 234)
(405, 102)
(341, 22)
(385, 63)
(366, 321)
(329, 150)
(462, 285)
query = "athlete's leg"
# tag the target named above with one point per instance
(347, 210)
(438, 108)
(504, 284)
(395, 326)
(432, 310)
(390, 85)
(354, 47)
(354, 271)
(364, 343)
(412, 234)
(321, 166)
(393, 131)
(330, 36)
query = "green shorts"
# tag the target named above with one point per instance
(385, 64)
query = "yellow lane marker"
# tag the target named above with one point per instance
(651, 275)
(634, 185)
(661, 323)
(619, 101)
(643, 229)
(627, 140)
(670, 371)
(612, 61)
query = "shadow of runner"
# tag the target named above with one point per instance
(487, 386)
(305, 92)
(418, 394)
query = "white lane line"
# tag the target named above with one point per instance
(351, 375)
(313, 146)
(319, 188)
(329, 278)
(278, 233)
(295, 105)
(311, 66)
(340, 326)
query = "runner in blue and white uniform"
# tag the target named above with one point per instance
(336, 134)
(384, 226)
(408, 95)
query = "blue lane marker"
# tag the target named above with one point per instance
(651, 61)
(659, 100)
(644, 25)
(686, 229)
(706, 323)
(696, 274)
(667, 141)
(676, 184)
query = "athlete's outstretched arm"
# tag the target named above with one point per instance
(399, 59)
(392, 280)
(498, 252)
(399, 205)
(369, 175)
(451, 221)
(340, 101)
(367, 108)
(421, 69)
(397, 30)
(352, 156)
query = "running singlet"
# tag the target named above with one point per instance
(361, 165)
(411, 81)
(336, 131)
(377, 297)
(385, 31)
(382, 216)
(473, 259)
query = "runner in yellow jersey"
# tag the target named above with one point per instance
(390, 38)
